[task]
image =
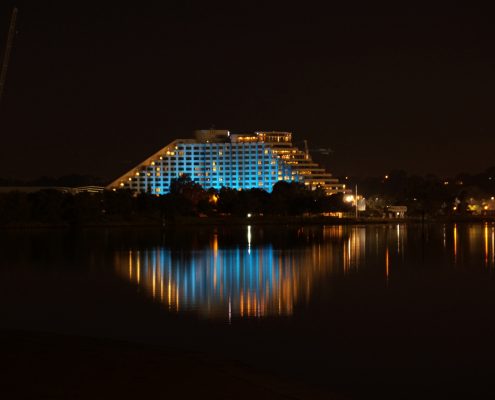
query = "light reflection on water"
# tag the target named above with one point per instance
(258, 279)
(247, 281)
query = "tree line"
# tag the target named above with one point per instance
(186, 199)
(428, 195)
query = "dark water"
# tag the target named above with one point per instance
(335, 307)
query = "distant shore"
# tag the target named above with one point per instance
(240, 221)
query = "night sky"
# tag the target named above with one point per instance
(95, 89)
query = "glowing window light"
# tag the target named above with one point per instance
(152, 163)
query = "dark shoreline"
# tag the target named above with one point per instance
(240, 221)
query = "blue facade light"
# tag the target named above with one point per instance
(216, 159)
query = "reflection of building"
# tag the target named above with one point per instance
(240, 282)
(250, 281)
(215, 159)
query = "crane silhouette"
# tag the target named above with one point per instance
(8, 49)
(321, 150)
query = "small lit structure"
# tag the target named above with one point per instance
(351, 199)
(396, 211)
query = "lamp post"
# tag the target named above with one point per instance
(356, 201)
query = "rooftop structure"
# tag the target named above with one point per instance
(216, 159)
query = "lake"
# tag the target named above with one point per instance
(343, 308)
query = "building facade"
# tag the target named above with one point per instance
(216, 159)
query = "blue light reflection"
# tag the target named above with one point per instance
(247, 281)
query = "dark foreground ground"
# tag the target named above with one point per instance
(52, 366)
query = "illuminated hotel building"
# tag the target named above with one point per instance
(216, 159)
